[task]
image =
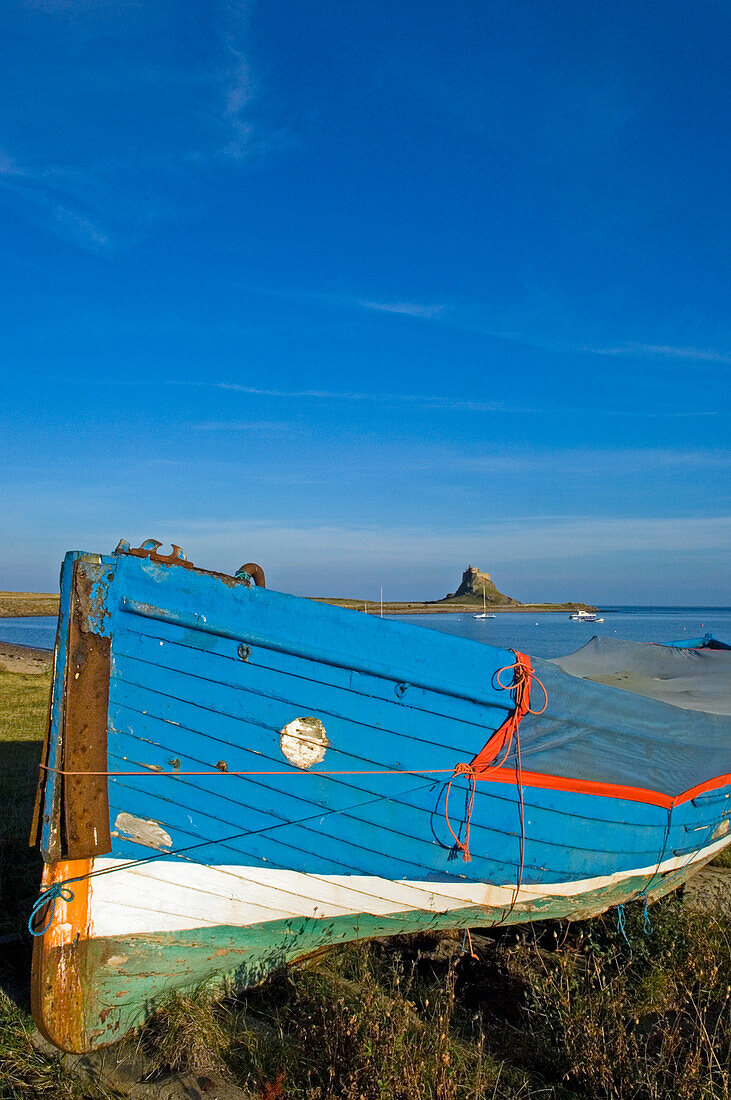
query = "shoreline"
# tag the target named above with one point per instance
(427, 608)
(524, 609)
(24, 658)
(29, 605)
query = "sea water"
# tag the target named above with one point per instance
(548, 635)
(36, 631)
(554, 634)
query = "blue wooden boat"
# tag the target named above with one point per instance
(235, 777)
(706, 641)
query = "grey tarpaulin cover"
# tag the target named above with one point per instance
(632, 714)
(695, 679)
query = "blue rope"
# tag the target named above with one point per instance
(52, 894)
(621, 928)
(646, 922)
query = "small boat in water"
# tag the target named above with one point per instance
(235, 778)
(706, 641)
(484, 614)
(585, 617)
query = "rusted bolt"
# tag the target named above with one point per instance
(222, 765)
(174, 762)
(244, 651)
(401, 690)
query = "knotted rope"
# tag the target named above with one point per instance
(501, 742)
(51, 895)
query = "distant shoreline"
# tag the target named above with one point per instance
(428, 608)
(25, 605)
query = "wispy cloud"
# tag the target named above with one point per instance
(240, 96)
(407, 309)
(242, 426)
(9, 167)
(239, 91)
(435, 402)
(662, 351)
(423, 400)
(581, 462)
(654, 414)
(101, 203)
(45, 191)
(81, 229)
(488, 321)
(361, 548)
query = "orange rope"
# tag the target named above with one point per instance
(519, 784)
(220, 771)
(462, 845)
(467, 940)
(500, 742)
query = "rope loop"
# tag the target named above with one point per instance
(462, 845)
(51, 895)
(496, 750)
(523, 676)
(622, 929)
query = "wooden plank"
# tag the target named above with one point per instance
(85, 797)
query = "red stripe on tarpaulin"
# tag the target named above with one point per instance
(480, 772)
(608, 790)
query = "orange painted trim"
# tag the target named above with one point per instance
(72, 918)
(703, 788)
(606, 790)
(57, 984)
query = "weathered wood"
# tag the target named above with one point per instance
(85, 797)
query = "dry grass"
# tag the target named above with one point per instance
(24, 705)
(393, 1021)
(361, 1024)
(28, 1074)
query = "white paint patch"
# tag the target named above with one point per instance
(304, 741)
(721, 829)
(173, 896)
(142, 830)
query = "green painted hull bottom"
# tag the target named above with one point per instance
(122, 979)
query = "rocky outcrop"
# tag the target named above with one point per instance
(474, 583)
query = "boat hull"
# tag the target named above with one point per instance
(92, 985)
(236, 778)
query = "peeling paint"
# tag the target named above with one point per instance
(142, 830)
(304, 742)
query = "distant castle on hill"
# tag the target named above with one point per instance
(475, 582)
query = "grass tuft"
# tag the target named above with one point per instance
(28, 1074)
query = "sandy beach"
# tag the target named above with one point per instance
(24, 659)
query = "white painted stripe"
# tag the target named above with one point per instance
(170, 897)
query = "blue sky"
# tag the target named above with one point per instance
(369, 292)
